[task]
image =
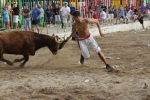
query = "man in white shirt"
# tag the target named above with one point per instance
(102, 16)
(65, 13)
(130, 16)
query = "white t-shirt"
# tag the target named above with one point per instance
(103, 15)
(129, 14)
(64, 10)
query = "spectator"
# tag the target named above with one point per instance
(127, 7)
(102, 15)
(95, 16)
(36, 13)
(130, 16)
(72, 9)
(42, 15)
(9, 6)
(65, 12)
(147, 6)
(104, 7)
(26, 17)
(15, 15)
(57, 15)
(120, 14)
(115, 11)
(111, 13)
(125, 11)
(49, 16)
(145, 14)
(6, 17)
(132, 7)
(86, 11)
(91, 13)
(148, 13)
(143, 8)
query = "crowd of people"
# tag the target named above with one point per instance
(62, 16)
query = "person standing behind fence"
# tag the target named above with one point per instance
(49, 16)
(15, 15)
(26, 16)
(72, 9)
(42, 15)
(57, 15)
(111, 13)
(6, 17)
(65, 12)
(36, 13)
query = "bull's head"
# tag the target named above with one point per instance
(56, 43)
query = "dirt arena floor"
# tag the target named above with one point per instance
(60, 77)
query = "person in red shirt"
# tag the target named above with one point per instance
(132, 7)
(145, 14)
(95, 16)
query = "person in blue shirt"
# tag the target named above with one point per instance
(120, 14)
(143, 8)
(36, 13)
(6, 17)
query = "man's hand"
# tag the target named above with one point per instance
(102, 35)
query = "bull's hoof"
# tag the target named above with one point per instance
(21, 65)
(10, 63)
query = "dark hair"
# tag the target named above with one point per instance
(76, 13)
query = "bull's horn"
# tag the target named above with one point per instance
(58, 41)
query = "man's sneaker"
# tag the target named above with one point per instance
(82, 59)
(108, 67)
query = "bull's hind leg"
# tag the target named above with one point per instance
(18, 60)
(4, 60)
(26, 58)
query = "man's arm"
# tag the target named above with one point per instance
(40, 13)
(95, 21)
(73, 32)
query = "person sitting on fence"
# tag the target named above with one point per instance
(130, 16)
(26, 16)
(148, 13)
(102, 16)
(6, 17)
(120, 15)
(36, 13)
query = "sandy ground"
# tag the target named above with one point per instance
(60, 77)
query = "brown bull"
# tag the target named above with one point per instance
(25, 43)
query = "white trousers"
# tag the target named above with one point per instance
(84, 43)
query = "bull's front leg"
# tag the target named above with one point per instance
(26, 58)
(7, 61)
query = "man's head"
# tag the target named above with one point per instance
(35, 5)
(66, 4)
(48, 6)
(75, 15)
(56, 5)
(25, 6)
(39, 6)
